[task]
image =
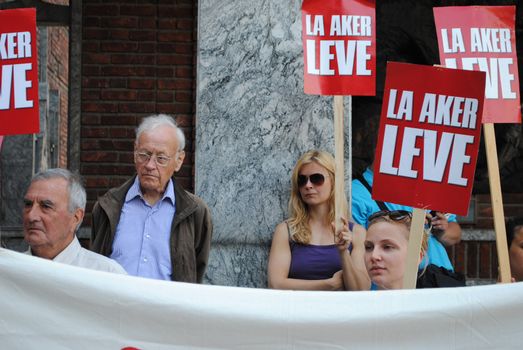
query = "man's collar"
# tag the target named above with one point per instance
(135, 191)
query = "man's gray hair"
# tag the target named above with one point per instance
(77, 195)
(153, 121)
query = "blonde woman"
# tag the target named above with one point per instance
(386, 248)
(306, 252)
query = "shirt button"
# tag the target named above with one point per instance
(147, 236)
(145, 259)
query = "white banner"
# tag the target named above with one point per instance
(47, 305)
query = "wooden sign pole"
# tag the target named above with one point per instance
(497, 202)
(339, 188)
(417, 228)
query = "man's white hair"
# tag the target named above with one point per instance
(154, 121)
(77, 195)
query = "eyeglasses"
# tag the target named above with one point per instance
(315, 179)
(394, 215)
(145, 157)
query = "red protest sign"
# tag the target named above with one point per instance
(483, 38)
(429, 137)
(18, 72)
(339, 45)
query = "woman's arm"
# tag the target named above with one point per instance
(280, 262)
(355, 276)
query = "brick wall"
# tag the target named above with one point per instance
(477, 258)
(58, 78)
(137, 59)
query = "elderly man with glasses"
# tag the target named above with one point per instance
(150, 224)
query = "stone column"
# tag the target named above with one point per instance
(253, 122)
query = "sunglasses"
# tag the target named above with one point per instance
(315, 179)
(394, 215)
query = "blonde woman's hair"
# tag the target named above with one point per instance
(406, 222)
(298, 211)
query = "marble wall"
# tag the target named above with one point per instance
(253, 122)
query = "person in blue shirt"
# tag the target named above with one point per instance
(446, 226)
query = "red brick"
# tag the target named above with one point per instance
(472, 259)
(91, 95)
(141, 83)
(119, 119)
(484, 210)
(186, 49)
(138, 10)
(175, 36)
(165, 96)
(90, 46)
(92, 57)
(146, 96)
(147, 23)
(103, 107)
(116, 46)
(183, 96)
(90, 144)
(147, 47)
(88, 119)
(173, 59)
(98, 156)
(126, 157)
(165, 72)
(515, 198)
(136, 107)
(128, 71)
(91, 21)
(133, 59)
(118, 83)
(485, 260)
(142, 35)
(168, 47)
(513, 210)
(120, 22)
(94, 132)
(184, 72)
(98, 10)
(97, 181)
(174, 108)
(176, 11)
(484, 223)
(113, 169)
(118, 34)
(123, 145)
(167, 23)
(174, 84)
(94, 33)
(88, 82)
(459, 257)
(184, 120)
(119, 95)
(90, 70)
(495, 263)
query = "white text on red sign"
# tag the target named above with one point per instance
(483, 40)
(452, 111)
(338, 57)
(14, 76)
